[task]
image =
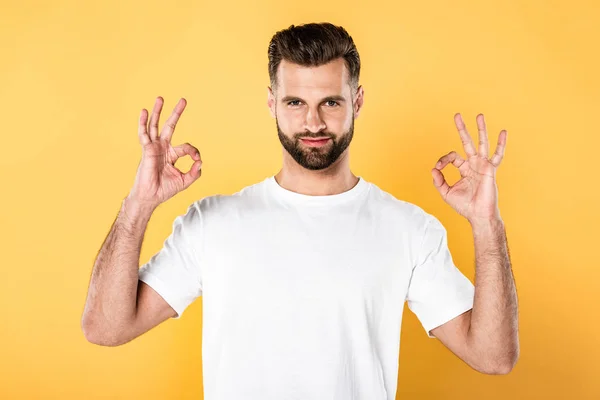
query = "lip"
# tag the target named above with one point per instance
(315, 139)
(315, 142)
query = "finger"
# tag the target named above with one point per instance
(453, 157)
(483, 138)
(153, 126)
(439, 181)
(193, 174)
(464, 136)
(499, 153)
(187, 148)
(142, 132)
(167, 131)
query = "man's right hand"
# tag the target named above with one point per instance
(157, 179)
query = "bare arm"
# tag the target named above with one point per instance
(493, 335)
(119, 307)
(486, 337)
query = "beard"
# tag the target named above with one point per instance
(315, 158)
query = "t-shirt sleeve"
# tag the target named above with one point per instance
(438, 291)
(174, 272)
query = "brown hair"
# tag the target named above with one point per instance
(311, 45)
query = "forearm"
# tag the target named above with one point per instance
(112, 293)
(493, 333)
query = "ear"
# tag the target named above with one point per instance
(358, 101)
(271, 101)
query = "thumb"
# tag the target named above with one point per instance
(193, 174)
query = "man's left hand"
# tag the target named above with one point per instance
(475, 195)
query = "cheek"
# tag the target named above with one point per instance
(288, 124)
(291, 120)
(338, 120)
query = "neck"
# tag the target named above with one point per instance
(335, 179)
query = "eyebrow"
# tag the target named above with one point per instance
(328, 98)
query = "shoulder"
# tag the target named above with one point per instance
(248, 198)
(393, 207)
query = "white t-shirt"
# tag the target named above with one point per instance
(303, 295)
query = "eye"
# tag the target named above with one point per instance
(293, 101)
(335, 103)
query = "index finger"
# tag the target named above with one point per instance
(167, 131)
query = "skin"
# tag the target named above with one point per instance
(487, 336)
(119, 307)
(301, 108)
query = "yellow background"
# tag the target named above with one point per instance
(75, 75)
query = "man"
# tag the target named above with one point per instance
(304, 274)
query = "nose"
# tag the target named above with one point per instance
(314, 123)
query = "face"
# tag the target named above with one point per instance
(311, 103)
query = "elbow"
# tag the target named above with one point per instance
(96, 336)
(501, 369)
(501, 365)
(505, 369)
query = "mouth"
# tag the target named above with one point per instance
(315, 142)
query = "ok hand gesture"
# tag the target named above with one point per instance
(157, 179)
(475, 195)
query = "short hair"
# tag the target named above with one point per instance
(311, 45)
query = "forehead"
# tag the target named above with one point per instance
(297, 79)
